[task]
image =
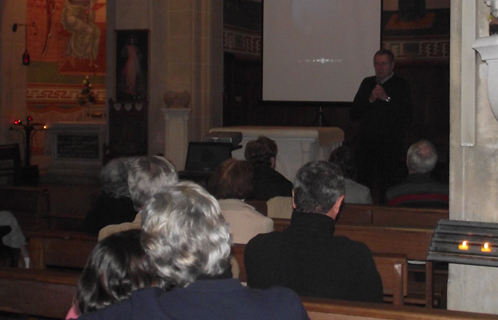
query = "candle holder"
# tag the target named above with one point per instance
(28, 128)
(463, 246)
(486, 247)
(465, 242)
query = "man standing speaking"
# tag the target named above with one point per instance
(384, 107)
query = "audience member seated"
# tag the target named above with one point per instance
(419, 190)
(188, 243)
(355, 192)
(268, 183)
(146, 176)
(114, 205)
(231, 183)
(14, 242)
(307, 257)
(117, 266)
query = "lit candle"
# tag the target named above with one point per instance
(486, 247)
(463, 246)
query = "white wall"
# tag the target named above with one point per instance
(473, 170)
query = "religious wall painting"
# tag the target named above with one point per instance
(72, 35)
(131, 65)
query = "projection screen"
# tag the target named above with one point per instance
(318, 50)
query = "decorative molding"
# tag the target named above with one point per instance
(60, 94)
(419, 49)
(241, 41)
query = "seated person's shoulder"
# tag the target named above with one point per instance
(352, 247)
(264, 242)
(115, 228)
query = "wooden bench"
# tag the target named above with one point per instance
(391, 216)
(39, 293)
(364, 214)
(46, 293)
(259, 205)
(326, 309)
(59, 249)
(10, 164)
(411, 242)
(392, 270)
(29, 205)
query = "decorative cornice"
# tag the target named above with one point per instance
(241, 41)
(60, 94)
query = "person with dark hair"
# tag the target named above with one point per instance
(355, 192)
(189, 244)
(383, 106)
(117, 266)
(419, 190)
(114, 205)
(307, 257)
(231, 184)
(268, 182)
(146, 177)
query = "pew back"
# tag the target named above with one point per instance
(10, 164)
(60, 249)
(392, 270)
(46, 293)
(40, 293)
(368, 214)
(29, 205)
(326, 309)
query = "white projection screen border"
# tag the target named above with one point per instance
(318, 50)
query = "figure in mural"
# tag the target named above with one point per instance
(132, 74)
(78, 18)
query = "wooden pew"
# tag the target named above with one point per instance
(391, 216)
(59, 249)
(369, 214)
(10, 164)
(392, 270)
(259, 205)
(46, 293)
(29, 205)
(326, 309)
(411, 242)
(39, 293)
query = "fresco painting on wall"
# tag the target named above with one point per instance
(70, 45)
(131, 65)
(72, 35)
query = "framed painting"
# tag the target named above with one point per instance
(132, 58)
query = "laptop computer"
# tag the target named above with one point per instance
(203, 158)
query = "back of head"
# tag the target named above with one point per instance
(344, 159)
(232, 180)
(317, 187)
(114, 177)
(260, 151)
(147, 176)
(421, 157)
(117, 266)
(185, 235)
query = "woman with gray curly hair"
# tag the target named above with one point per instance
(114, 205)
(188, 242)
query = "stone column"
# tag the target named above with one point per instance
(176, 135)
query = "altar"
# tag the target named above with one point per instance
(76, 151)
(296, 145)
